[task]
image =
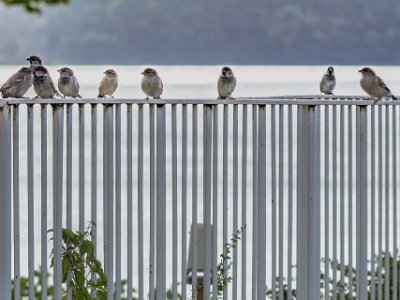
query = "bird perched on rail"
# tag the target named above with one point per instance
(374, 85)
(151, 84)
(43, 84)
(18, 84)
(328, 82)
(226, 83)
(109, 84)
(35, 61)
(67, 83)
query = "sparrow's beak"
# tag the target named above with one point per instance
(59, 70)
(360, 71)
(142, 73)
(28, 59)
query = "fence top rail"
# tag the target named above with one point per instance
(280, 100)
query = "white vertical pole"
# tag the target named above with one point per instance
(308, 208)
(152, 262)
(244, 202)
(161, 204)
(184, 198)
(207, 133)
(58, 138)
(215, 202)
(81, 167)
(5, 202)
(362, 207)
(43, 171)
(16, 213)
(174, 204)
(118, 202)
(129, 198)
(93, 216)
(140, 194)
(262, 203)
(235, 194)
(254, 262)
(31, 207)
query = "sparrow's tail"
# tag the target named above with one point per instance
(394, 98)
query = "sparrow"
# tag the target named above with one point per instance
(151, 84)
(67, 83)
(328, 82)
(373, 85)
(226, 83)
(109, 84)
(18, 84)
(35, 61)
(43, 84)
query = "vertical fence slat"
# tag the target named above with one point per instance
(334, 201)
(5, 202)
(362, 209)
(262, 204)
(380, 202)
(58, 146)
(254, 289)
(129, 197)
(225, 193)
(350, 197)
(43, 185)
(152, 200)
(280, 196)
(235, 186)
(31, 206)
(81, 167)
(174, 144)
(118, 201)
(93, 213)
(215, 202)
(387, 208)
(161, 204)
(68, 167)
(394, 200)
(373, 205)
(244, 203)
(341, 202)
(273, 200)
(308, 208)
(327, 210)
(194, 201)
(16, 212)
(207, 148)
(140, 196)
(290, 201)
(184, 198)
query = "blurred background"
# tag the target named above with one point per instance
(160, 32)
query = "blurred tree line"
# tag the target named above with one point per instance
(204, 32)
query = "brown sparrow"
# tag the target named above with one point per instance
(109, 84)
(35, 61)
(373, 85)
(328, 82)
(67, 83)
(226, 83)
(18, 84)
(151, 84)
(43, 84)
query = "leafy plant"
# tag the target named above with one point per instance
(79, 264)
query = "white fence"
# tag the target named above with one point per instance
(313, 180)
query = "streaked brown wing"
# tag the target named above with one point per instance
(380, 82)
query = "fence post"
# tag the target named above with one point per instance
(5, 202)
(161, 204)
(362, 203)
(308, 202)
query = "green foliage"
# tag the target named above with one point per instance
(348, 286)
(80, 266)
(34, 6)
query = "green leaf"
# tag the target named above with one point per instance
(65, 268)
(79, 278)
